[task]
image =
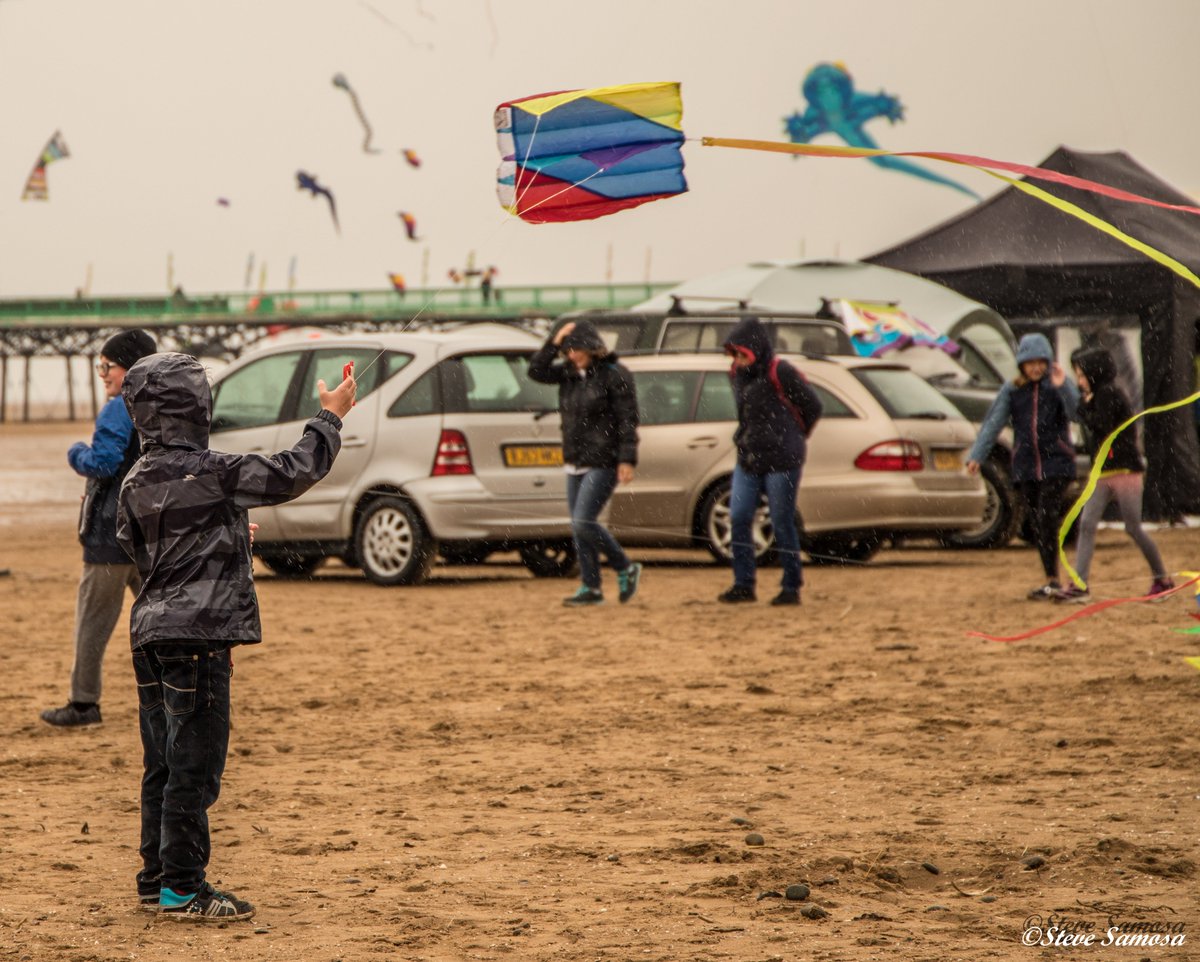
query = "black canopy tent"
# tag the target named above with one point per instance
(1031, 262)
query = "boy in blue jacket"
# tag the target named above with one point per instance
(107, 570)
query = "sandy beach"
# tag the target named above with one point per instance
(467, 771)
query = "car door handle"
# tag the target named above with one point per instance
(354, 443)
(702, 443)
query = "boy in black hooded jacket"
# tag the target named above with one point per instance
(182, 519)
(1102, 409)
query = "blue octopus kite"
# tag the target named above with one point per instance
(834, 107)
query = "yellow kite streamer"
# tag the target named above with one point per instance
(963, 160)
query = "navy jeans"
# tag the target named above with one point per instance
(780, 488)
(183, 696)
(587, 494)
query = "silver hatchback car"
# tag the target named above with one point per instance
(451, 448)
(886, 460)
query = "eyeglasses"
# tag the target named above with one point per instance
(104, 367)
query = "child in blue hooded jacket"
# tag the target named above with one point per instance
(1039, 404)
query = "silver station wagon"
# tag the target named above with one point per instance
(450, 448)
(886, 461)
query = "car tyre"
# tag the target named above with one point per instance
(392, 544)
(715, 527)
(288, 564)
(464, 554)
(550, 559)
(1002, 513)
(842, 549)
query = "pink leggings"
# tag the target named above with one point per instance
(1126, 490)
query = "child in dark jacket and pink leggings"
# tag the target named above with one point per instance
(1103, 409)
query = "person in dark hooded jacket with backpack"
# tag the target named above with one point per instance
(777, 411)
(182, 519)
(1102, 409)
(597, 402)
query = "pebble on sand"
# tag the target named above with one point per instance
(755, 839)
(797, 892)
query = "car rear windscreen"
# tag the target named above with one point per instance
(905, 395)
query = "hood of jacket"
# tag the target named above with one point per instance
(749, 336)
(1097, 366)
(1034, 347)
(585, 336)
(170, 401)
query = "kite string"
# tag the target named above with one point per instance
(532, 136)
(486, 241)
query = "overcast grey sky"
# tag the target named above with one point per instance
(167, 105)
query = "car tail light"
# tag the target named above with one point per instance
(453, 456)
(896, 455)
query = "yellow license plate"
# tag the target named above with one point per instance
(947, 460)
(533, 456)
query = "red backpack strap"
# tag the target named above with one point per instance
(773, 374)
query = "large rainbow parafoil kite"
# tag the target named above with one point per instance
(580, 154)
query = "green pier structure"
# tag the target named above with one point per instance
(225, 325)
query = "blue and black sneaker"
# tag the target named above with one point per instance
(627, 581)
(584, 596)
(206, 905)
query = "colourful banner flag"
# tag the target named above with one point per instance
(875, 329)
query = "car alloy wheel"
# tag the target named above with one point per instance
(716, 527)
(392, 544)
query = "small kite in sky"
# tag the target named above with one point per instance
(35, 185)
(411, 156)
(340, 81)
(410, 224)
(308, 182)
(222, 201)
(398, 284)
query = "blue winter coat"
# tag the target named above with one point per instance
(104, 462)
(1040, 415)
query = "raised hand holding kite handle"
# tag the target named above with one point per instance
(341, 399)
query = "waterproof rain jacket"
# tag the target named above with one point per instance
(598, 405)
(1040, 414)
(1107, 410)
(769, 436)
(104, 462)
(182, 509)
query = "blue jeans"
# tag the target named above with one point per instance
(780, 488)
(587, 494)
(183, 697)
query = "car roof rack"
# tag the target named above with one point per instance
(743, 303)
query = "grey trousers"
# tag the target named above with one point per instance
(97, 608)
(1126, 490)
